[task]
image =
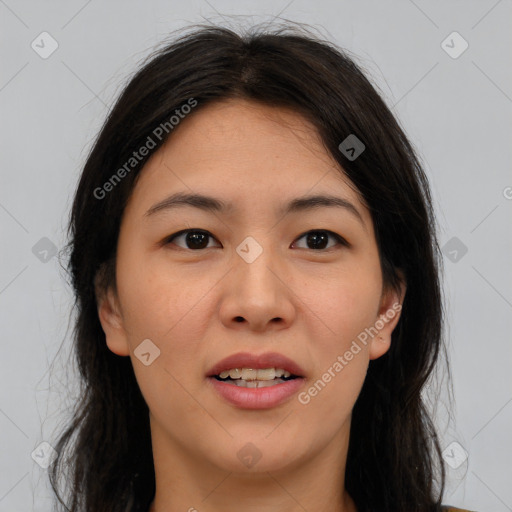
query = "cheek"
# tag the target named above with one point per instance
(158, 300)
(327, 402)
(171, 309)
(164, 307)
(345, 305)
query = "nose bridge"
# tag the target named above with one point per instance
(256, 292)
(253, 261)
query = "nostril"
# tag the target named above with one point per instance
(239, 319)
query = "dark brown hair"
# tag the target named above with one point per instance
(394, 458)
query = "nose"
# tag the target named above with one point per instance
(257, 295)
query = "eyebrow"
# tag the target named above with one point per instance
(212, 204)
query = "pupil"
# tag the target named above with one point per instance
(313, 238)
(194, 239)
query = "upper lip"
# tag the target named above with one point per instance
(256, 362)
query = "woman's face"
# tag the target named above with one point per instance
(257, 282)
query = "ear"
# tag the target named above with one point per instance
(388, 316)
(111, 321)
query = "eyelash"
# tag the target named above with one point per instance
(341, 241)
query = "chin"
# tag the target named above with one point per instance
(246, 455)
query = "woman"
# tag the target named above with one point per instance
(256, 270)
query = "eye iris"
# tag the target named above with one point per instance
(318, 239)
(197, 239)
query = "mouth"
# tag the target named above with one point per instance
(255, 378)
(256, 381)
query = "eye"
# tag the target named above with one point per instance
(194, 238)
(318, 238)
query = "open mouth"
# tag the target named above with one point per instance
(246, 387)
(251, 378)
(255, 383)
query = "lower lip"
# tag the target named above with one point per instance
(257, 398)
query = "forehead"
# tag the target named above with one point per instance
(245, 152)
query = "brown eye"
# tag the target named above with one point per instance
(194, 239)
(318, 239)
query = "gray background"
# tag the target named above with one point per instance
(456, 111)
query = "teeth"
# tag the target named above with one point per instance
(249, 374)
(257, 383)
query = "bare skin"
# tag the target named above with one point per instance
(307, 303)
